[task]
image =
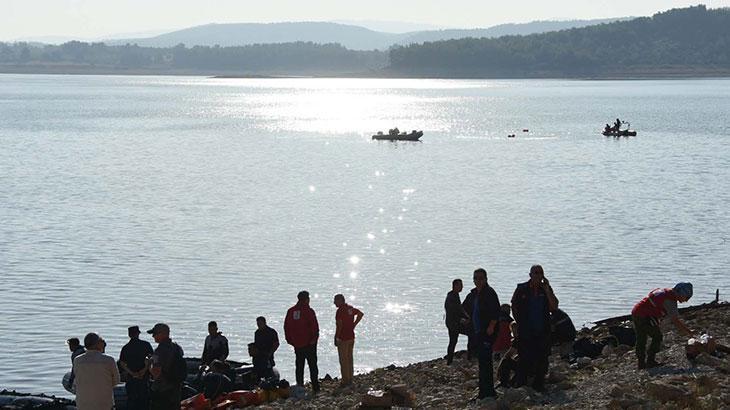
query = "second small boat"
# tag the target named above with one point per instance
(395, 135)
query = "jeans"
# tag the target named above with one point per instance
(138, 394)
(344, 351)
(308, 353)
(486, 367)
(453, 339)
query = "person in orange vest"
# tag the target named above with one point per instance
(647, 314)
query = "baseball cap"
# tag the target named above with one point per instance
(158, 328)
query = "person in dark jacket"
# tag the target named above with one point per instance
(562, 332)
(266, 342)
(484, 319)
(132, 359)
(215, 346)
(166, 389)
(456, 317)
(468, 305)
(74, 346)
(301, 330)
(532, 303)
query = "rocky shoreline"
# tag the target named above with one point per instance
(610, 381)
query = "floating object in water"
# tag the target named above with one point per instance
(510, 135)
(395, 135)
(525, 130)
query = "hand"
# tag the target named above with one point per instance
(337, 341)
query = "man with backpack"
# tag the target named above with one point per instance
(168, 370)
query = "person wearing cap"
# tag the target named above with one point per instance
(132, 360)
(532, 303)
(96, 376)
(166, 389)
(346, 319)
(215, 346)
(647, 314)
(301, 330)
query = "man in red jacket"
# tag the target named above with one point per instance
(648, 313)
(302, 332)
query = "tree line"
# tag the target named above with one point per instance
(286, 58)
(690, 38)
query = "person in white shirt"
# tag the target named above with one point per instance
(96, 375)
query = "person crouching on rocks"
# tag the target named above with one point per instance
(647, 314)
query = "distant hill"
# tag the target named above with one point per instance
(512, 29)
(349, 36)
(679, 41)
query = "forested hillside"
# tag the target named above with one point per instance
(680, 40)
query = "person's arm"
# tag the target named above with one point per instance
(551, 299)
(493, 312)
(275, 345)
(338, 330)
(682, 327)
(204, 357)
(287, 325)
(115, 372)
(358, 317)
(225, 348)
(315, 328)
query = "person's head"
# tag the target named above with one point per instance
(261, 322)
(536, 274)
(303, 298)
(160, 332)
(457, 285)
(480, 278)
(73, 343)
(339, 300)
(212, 327)
(93, 341)
(683, 291)
(505, 308)
(133, 332)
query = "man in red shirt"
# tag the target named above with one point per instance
(347, 317)
(302, 332)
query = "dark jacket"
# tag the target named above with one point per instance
(520, 307)
(488, 310)
(563, 330)
(454, 311)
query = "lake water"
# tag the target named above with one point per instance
(133, 200)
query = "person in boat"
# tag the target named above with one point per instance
(215, 346)
(266, 342)
(132, 359)
(607, 129)
(456, 317)
(648, 313)
(217, 380)
(96, 375)
(617, 124)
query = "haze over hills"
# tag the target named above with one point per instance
(693, 41)
(350, 36)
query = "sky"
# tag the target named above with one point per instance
(88, 19)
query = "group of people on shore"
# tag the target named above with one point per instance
(154, 377)
(525, 342)
(487, 324)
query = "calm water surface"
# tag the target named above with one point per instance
(133, 200)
